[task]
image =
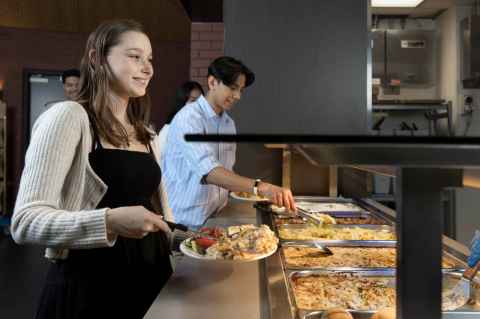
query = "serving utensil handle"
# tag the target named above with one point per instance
(471, 272)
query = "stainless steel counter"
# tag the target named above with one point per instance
(203, 289)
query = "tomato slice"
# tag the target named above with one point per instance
(216, 232)
(205, 242)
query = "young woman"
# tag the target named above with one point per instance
(188, 92)
(89, 186)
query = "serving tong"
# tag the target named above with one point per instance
(323, 251)
(463, 287)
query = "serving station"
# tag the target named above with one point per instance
(425, 167)
(313, 282)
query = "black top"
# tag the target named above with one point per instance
(132, 178)
(120, 281)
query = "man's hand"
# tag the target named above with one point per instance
(279, 196)
(474, 250)
(134, 222)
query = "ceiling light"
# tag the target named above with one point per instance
(396, 3)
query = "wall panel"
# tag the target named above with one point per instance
(163, 19)
(51, 35)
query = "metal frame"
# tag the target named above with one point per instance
(26, 102)
(3, 164)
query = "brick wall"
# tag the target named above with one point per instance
(207, 44)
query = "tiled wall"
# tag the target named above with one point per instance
(207, 44)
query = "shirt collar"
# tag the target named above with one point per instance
(208, 109)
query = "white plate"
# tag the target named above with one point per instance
(252, 198)
(190, 253)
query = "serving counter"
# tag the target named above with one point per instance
(280, 277)
(223, 289)
(206, 289)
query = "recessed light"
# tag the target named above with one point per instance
(396, 3)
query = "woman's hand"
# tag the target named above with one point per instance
(134, 222)
(281, 197)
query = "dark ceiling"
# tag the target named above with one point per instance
(212, 10)
(204, 10)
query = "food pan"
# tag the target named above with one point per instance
(331, 229)
(450, 277)
(383, 262)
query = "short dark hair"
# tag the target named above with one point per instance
(182, 96)
(69, 73)
(227, 70)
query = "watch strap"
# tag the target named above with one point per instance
(255, 187)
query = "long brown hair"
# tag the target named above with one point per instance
(96, 80)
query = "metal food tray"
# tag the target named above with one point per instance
(457, 264)
(355, 214)
(339, 215)
(304, 313)
(466, 311)
(339, 243)
(330, 200)
(300, 268)
(264, 206)
(329, 242)
(364, 213)
(322, 199)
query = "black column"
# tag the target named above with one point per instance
(419, 231)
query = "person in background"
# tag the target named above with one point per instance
(474, 250)
(188, 92)
(70, 80)
(198, 176)
(90, 188)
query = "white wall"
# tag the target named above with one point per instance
(450, 64)
(474, 130)
(448, 57)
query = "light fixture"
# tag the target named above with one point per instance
(396, 3)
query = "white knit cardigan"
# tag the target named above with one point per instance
(59, 191)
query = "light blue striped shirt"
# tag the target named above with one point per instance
(185, 164)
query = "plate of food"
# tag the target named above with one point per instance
(248, 197)
(241, 243)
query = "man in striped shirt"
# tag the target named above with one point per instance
(198, 176)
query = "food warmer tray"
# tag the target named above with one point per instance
(464, 312)
(329, 242)
(457, 264)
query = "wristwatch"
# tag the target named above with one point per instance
(255, 187)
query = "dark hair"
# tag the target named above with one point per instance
(182, 96)
(227, 70)
(71, 72)
(96, 80)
